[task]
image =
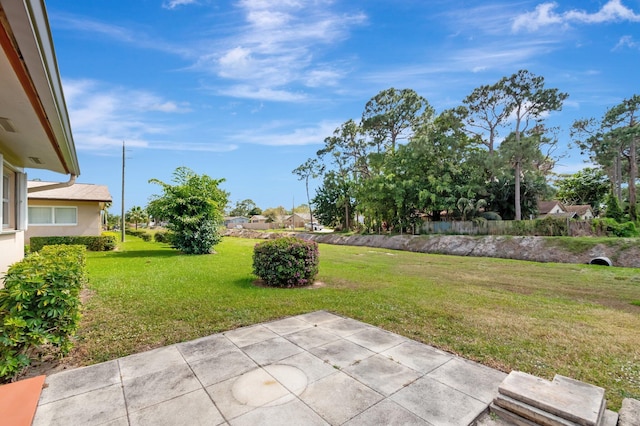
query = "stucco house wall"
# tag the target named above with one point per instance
(34, 125)
(12, 249)
(297, 220)
(88, 220)
(583, 211)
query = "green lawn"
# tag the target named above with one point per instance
(576, 320)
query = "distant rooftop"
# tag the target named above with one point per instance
(78, 191)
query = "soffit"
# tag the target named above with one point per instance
(31, 96)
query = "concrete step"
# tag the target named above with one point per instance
(561, 402)
(525, 415)
(629, 413)
(610, 418)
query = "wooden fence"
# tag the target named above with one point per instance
(543, 227)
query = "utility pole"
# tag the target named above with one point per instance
(122, 207)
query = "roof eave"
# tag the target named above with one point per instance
(38, 55)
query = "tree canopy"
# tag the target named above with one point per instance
(613, 143)
(246, 208)
(492, 156)
(587, 186)
(194, 208)
(403, 162)
(136, 215)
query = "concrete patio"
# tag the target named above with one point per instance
(312, 369)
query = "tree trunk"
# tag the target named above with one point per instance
(309, 201)
(633, 175)
(517, 192)
(618, 178)
(346, 215)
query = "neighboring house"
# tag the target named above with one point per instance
(583, 211)
(235, 221)
(34, 124)
(297, 220)
(550, 207)
(258, 218)
(557, 209)
(76, 210)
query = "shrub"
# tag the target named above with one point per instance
(142, 234)
(551, 226)
(162, 237)
(612, 228)
(40, 304)
(613, 211)
(286, 262)
(91, 243)
(521, 227)
(193, 208)
(198, 238)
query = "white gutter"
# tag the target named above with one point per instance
(70, 182)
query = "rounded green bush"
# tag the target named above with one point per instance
(286, 262)
(162, 237)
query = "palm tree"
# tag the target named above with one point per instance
(136, 215)
(470, 208)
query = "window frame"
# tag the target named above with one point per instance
(53, 215)
(6, 200)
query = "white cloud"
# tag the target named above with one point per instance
(236, 62)
(499, 56)
(278, 46)
(612, 11)
(197, 147)
(273, 135)
(494, 19)
(103, 116)
(119, 33)
(541, 17)
(262, 93)
(627, 41)
(545, 15)
(172, 4)
(267, 19)
(275, 46)
(323, 77)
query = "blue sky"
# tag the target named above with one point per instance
(247, 90)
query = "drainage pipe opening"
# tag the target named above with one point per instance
(602, 260)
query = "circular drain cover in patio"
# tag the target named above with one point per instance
(269, 385)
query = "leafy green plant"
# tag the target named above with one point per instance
(144, 235)
(286, 262)
(162, 237)
(40, 304)
(92, 243)
(614, 210)
(550, 226)
(194, 209)
(612, 228)
(136, 215)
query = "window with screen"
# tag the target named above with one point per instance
(53, 215)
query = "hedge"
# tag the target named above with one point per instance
(162, 237)
(40, 305)
(286, 262)
(92, 243)
(144, 235)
